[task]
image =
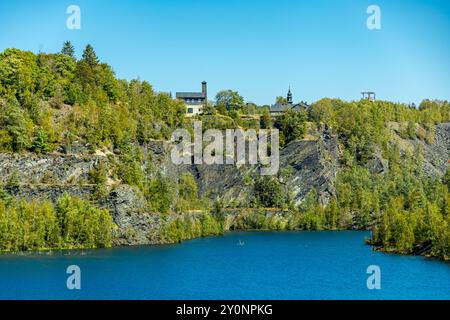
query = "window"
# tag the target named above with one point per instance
(190, 110)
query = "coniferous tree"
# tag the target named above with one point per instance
(68, 49)
(89, 56)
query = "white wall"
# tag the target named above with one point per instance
(196, 108)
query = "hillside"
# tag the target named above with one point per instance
(70, 130)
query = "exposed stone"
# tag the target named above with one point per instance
(50, 192)
(312, 164)
(127, 206)
(377, 165)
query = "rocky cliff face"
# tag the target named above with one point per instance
(437, 153)
(310, 164)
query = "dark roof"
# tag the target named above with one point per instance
(190, 95)
(280, 107)
(283, 107)
(302, 104)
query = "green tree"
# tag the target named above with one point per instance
(332, 215)
(36, 225)
(187, 192)
(68, 49)
(292, 125)
(83, 225)
(446, 178)
(232, 100)
(160, 193)
(98, 176)
(15, 123)
(269, 192)
(402, 233)
(441, 246)
(41, 144)
(89, 56)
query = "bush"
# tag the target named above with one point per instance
(187, 227)
(292, 126)
(37, 225)
(269, 193)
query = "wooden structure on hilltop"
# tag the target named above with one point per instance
(368, 95)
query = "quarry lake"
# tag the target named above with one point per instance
(238, 265)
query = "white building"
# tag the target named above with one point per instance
(195, 101)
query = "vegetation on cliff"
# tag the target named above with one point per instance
(50, 101)
(186, 227)
(71, 223)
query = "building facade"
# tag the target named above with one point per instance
(194, 101)
(280, 108)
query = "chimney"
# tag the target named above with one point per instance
(204, 91)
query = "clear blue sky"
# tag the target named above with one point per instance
(321, 48)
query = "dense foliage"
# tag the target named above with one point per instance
(186, 227)
(53, 100)
(292, 126)
(48, 100)
(363, 126)
(36, 225)
(407, 210)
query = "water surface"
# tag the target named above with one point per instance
(240, 265)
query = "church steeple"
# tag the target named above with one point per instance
(289, 96)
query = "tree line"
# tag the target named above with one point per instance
(48, 100)
(53, 100)
(71, 223)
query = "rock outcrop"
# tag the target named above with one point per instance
(309, 164)
(437, 153)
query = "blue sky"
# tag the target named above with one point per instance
(321, 48)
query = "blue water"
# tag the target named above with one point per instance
(241, 265)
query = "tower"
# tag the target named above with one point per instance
(205, 92)
(289, 96)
